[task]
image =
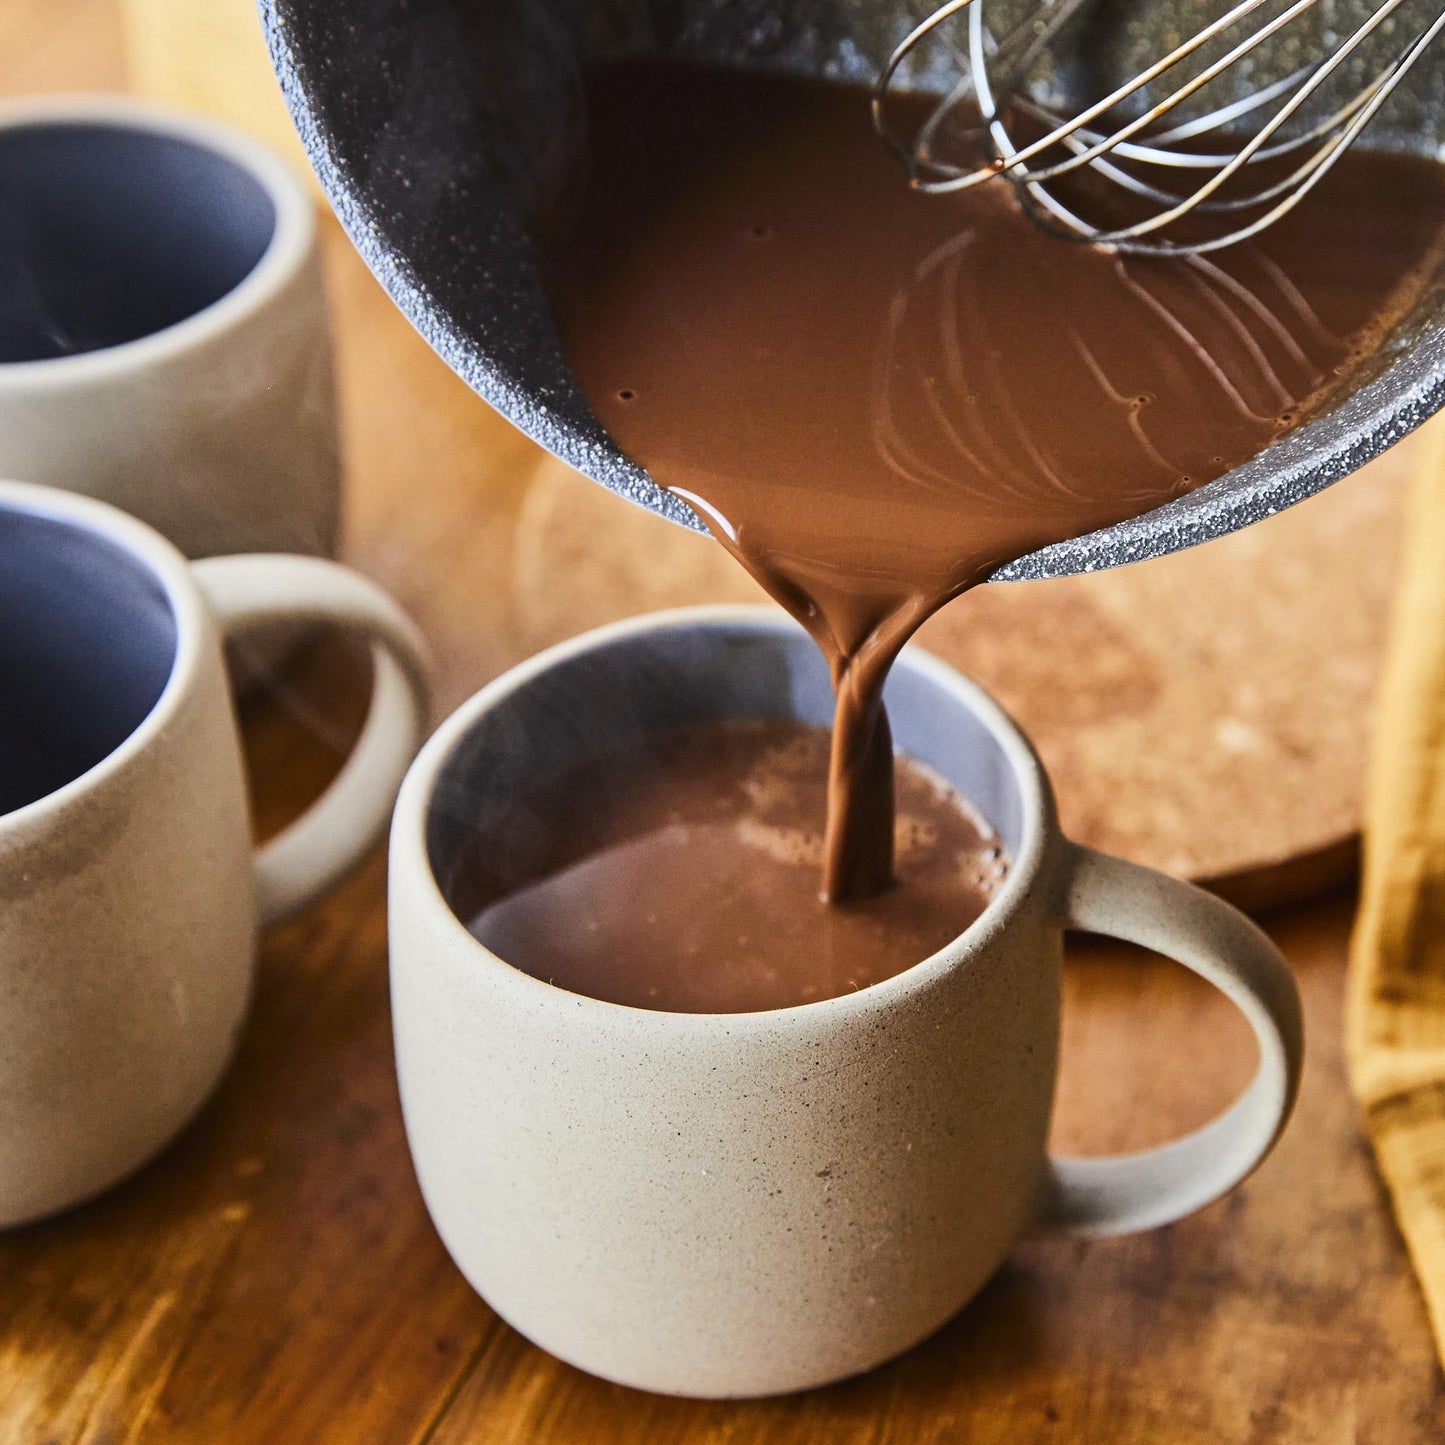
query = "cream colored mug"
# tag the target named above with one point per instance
(164, 342)
(130, 893)
(744, 1204)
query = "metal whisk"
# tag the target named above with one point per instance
(1245, 161)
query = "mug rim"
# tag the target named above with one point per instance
(292, 238)
(416, 799)
(164, 562)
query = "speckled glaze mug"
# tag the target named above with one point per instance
(164, 339)
(746, 1204)
(130, 893)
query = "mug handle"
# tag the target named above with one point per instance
(1129, 1192)
(318, 849)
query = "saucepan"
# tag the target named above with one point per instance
(438, 127)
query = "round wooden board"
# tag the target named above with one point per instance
(1206, 713)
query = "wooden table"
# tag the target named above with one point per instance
(273, 1277)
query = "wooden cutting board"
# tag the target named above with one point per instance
(1205, 713)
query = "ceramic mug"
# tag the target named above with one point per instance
(129, 893)
(745, 1204)
(164, 342)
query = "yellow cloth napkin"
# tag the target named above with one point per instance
(1395, 1008)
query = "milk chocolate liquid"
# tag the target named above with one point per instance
(686, 877)
(874, 397)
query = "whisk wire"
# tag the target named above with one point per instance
(1258, 141)
(991, 90)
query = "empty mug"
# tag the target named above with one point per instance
(164, 342)
(130, 893)
(748, 1203)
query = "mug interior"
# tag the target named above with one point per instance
(654, 681)
(87, 644)
(110, 233)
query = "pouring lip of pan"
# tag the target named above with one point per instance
(1307, 460)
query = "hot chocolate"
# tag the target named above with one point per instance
(686, 877)
(874, 397)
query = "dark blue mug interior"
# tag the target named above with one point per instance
(109, 234)
(87, 644)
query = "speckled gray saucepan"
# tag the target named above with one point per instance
(437, 125)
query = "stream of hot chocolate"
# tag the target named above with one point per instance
(875, 398)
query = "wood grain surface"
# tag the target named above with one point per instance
(273, 1277)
